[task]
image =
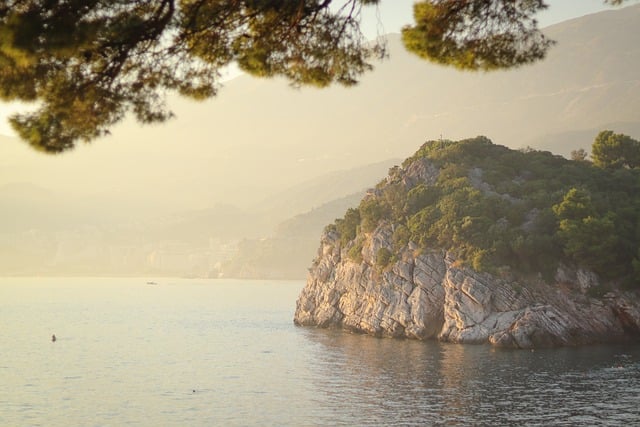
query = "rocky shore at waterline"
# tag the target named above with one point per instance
(430, 296)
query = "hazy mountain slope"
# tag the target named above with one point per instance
(310, 224)
(315, 192)
(288, 252)
(564, 142)
(43, 232)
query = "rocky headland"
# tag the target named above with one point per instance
(423, 292)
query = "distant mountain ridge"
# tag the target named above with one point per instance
(307, 195)
(43, 232)
(287, 252)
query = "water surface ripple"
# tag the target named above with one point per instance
(220, 352)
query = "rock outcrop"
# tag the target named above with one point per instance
(429, 295)
(378, 271)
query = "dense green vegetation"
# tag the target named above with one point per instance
(514, 212)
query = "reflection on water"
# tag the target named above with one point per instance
(226, 353)
(372, 381)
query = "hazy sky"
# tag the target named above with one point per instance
(394, 14)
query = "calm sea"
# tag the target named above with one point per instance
(226, 353)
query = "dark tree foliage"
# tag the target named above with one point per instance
(615, 150)
(90, 62)
(383, 257)
(477, 34)
(348, 226)
(511, 211)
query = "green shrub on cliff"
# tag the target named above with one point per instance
(501, 210)
(348, 226)
(383, 257)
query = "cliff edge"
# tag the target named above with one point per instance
(379, 281)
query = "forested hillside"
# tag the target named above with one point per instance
(511, 212)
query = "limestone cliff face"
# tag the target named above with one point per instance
(428, 294)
